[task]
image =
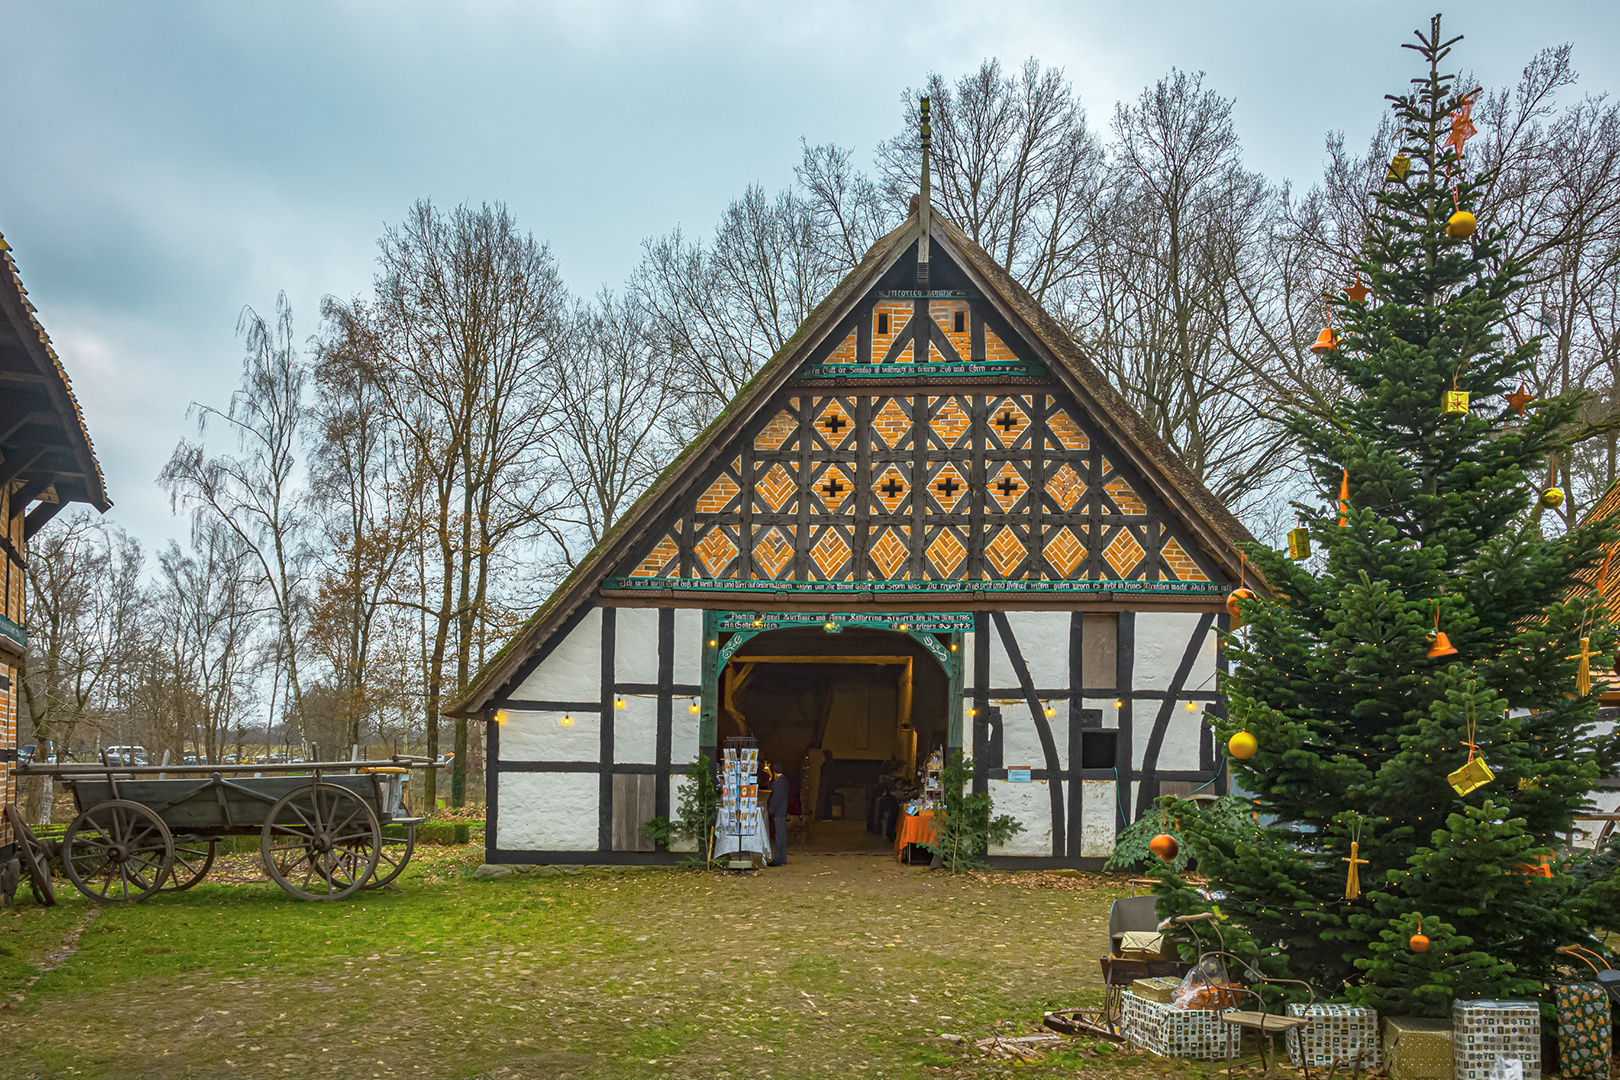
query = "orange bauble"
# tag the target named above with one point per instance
(1419, 943)
(1164, 846)
(1232, 601)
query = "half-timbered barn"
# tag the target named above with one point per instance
(46, 462)
(928, 523)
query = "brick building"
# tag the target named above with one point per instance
(46, 462)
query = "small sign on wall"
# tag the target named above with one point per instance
(1017, 776)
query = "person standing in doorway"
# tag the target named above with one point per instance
(776, 808)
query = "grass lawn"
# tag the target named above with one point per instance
(831, 966)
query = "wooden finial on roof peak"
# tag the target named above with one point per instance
(923, 199)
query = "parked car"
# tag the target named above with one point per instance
(26, 754)
(126, 755)
(228, 759)
(188, 759)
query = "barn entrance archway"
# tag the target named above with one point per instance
(848, 711)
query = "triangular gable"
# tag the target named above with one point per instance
(906, 443)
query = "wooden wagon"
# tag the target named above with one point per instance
(326, 829)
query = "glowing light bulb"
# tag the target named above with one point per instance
(567, 721)
(1191, 707)
(694, 706)
(1119, 703)
(618, 702)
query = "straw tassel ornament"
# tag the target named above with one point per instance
(1352, 881)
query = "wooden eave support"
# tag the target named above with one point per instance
(38, 517)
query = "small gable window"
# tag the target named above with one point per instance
(883, 322)
(960, 323)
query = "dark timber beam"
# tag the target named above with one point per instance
(31, 490)
(37, 519)
(18, 462)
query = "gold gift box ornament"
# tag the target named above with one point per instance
(1473, 775)
(1454, 403)
(1299, 543)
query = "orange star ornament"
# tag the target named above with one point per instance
(1358, 292)
(1518, 399)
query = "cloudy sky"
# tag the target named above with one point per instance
(163, 164)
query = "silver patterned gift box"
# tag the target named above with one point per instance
(1484, 1030)
(1335, 1032)
(1171, 1032)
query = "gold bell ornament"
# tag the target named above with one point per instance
(1461, 225)
(1326, 342)
(1299, 543)
(1242, 746)
(1439, 645)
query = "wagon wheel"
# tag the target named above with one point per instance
(117, 852)
(35, 859)
(193, 856)
(320, 842)
(392, 857)
(1603, 836)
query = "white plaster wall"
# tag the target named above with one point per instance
(689, 646)
(547, 812)
(1030, 804)
(968, 645)
(635, 731)
(683, 744)
(1161, 640)
(1043, 638)
(1098, 816)
(1021, 743)
(542, 736)
(1110, 714)
(635, 645)
(573, 671)
(678, 783)
(967, 725)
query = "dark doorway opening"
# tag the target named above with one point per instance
(849, 717)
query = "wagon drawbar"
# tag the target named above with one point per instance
(144, 829)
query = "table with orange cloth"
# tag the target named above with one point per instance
(915, 828)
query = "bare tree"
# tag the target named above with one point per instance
(84, 620)
(255, 492)
(611, 441)
(722, 310)
(1015, 165)
(464, 335)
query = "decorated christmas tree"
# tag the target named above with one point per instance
(1412, 688)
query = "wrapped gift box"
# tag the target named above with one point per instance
(1585, 1037)
(1171, 1032)
(1142, 945)
(1335, 1033)
(1161, 989)
(1416, 1048)
(1484, 1030)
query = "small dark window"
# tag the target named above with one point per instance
(1097, 749)
(883, 323)
(960, 323)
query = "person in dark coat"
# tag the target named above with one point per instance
(776, 809)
